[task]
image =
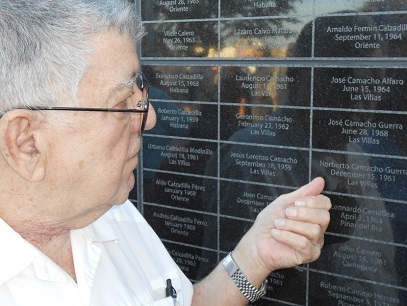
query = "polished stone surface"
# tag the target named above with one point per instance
(255, 98)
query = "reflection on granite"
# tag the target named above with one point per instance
(332, 7)
(247, 8)
(178, 9)
(361, 36)
(181, 39)
(257, 98)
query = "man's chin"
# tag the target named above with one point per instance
(127, 187)
(123, 193)
(131, 182)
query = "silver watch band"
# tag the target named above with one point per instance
(246, 288)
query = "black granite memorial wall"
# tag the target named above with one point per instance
(256, 98)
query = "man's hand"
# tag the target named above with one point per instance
(288, 232)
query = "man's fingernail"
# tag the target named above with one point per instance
(299, 203)
(279, 222)
(275, 232)
(291, 212)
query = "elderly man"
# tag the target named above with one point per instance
(73, 105)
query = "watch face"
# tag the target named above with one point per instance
(230, 265)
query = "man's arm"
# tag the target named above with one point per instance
(288, 232)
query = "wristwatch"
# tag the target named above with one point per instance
(246, 288)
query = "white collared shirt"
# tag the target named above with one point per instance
(118, 259)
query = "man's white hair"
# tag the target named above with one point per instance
(45, 46)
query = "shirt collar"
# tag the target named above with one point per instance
(100, 230)
(16, 253)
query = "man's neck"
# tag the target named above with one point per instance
(54, 242)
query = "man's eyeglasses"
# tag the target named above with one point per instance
(138, 106)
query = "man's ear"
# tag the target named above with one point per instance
(20, 147)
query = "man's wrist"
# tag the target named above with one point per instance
(247, 256)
